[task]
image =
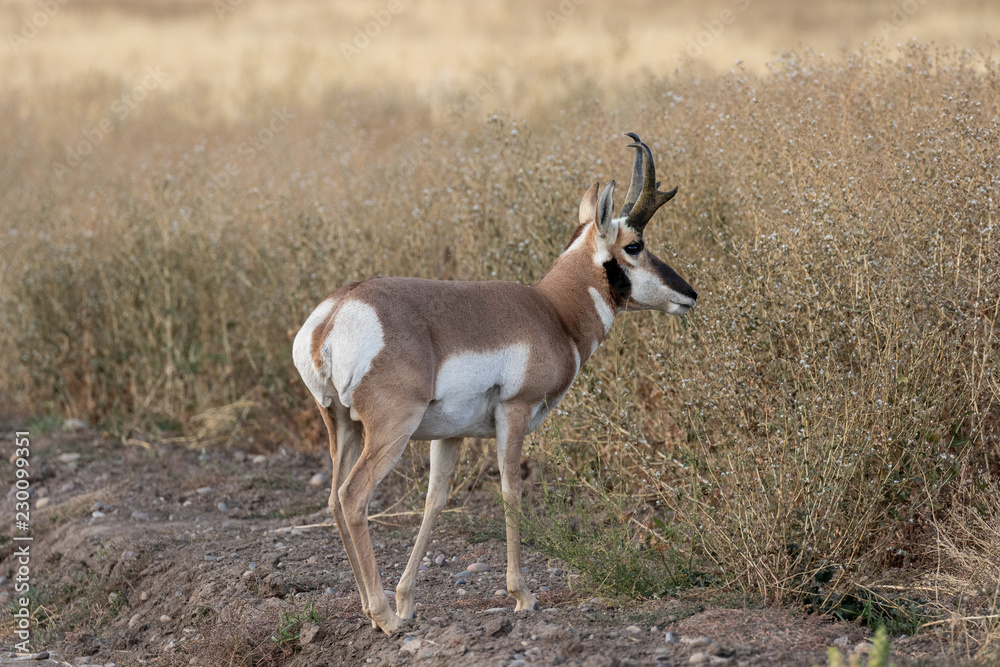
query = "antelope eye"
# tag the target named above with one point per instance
(634, 248)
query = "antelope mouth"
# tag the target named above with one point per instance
(680, 307)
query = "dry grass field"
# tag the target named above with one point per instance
(181, 182)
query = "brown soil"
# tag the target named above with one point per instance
(168, 576)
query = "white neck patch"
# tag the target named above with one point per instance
(603, 309)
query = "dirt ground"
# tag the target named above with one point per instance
(157, 554)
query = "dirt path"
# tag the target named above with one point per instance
(162, 555)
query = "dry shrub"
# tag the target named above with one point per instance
(837, 218)
(967, 579)
(240, 636)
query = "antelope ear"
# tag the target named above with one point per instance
(588, 205)
(604, 215)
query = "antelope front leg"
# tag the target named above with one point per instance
(444, 455)
(512, 424)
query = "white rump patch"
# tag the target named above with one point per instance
(302, 353)
(603, 309)
(467, 390)
(354, 341)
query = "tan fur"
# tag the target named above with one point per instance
(424, 323)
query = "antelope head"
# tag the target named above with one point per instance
(639, 279)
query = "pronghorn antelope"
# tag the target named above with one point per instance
(390, 359)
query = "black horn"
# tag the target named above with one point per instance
(642, 202)
(636, 183)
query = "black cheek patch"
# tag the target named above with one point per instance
(621, 286)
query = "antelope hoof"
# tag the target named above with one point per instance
(531, 604)
(392, 624)
(406, 611)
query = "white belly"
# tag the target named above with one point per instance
(467, 390)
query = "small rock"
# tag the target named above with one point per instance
(309, 633)
(462, 591)
(698, 658)
(439, 559)
(69, 457)
(204, 491)
(495, 610)
(555, 571)
(222, 507)
(165, 619)
(259, 459)
(144, 596)
(634, 629)
(98, 515)
(74, 425)
(696, 642)
(842, 642)
(140, 516)
(411, 645)
(4, 580)
(240, 456)
(42, 502)
(478, 567)
(312, 559)
(272, 586)
(319, 479)
(499, 593)
(862, 648)
(669, 638)
(497, 626)
(546, 630)
(67, 487)
(654, 629)
(44, 655)
(460, 582)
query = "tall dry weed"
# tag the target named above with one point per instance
(837, 217)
